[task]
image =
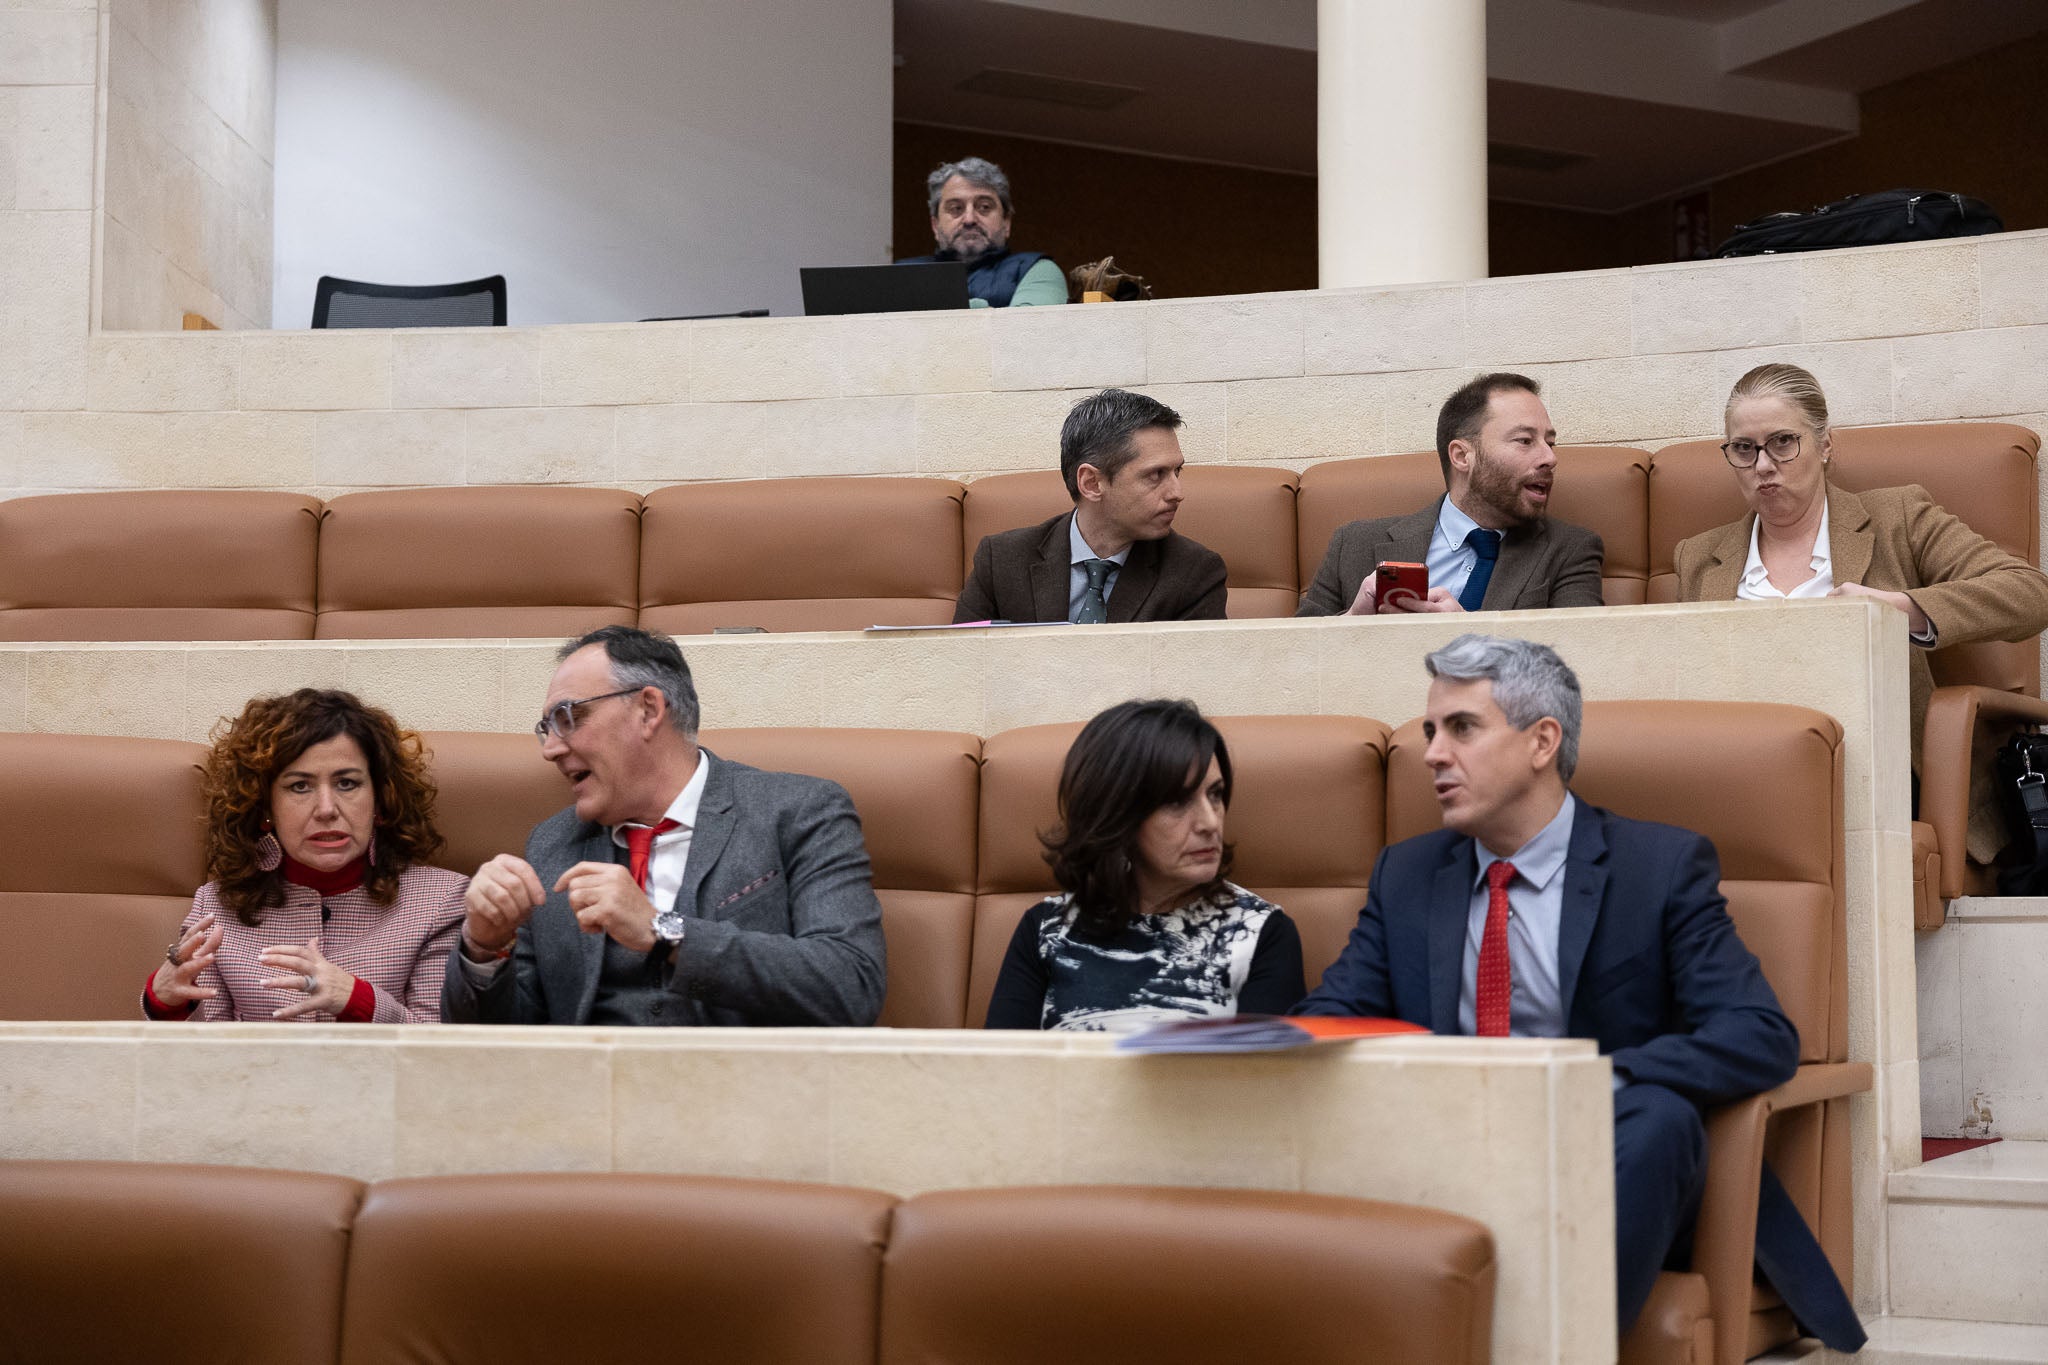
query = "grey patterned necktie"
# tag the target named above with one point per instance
(1094, 610)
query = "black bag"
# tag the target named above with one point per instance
(2021, 768)
(1864, 219)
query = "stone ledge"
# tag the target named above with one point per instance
(1519, 1131)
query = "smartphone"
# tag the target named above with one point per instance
(1400, 583)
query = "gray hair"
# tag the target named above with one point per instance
(646, 658)
(1529, 682)
(976, 171)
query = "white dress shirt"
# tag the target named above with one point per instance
(1450, 559)
(665, 863)
(1536, 1006)
(1756, 585)
(672, 847)
(1078, 554)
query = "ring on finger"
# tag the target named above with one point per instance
(311, 984)
(171, 954)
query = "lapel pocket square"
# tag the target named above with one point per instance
(749, 889)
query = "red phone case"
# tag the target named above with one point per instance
(1396, 582)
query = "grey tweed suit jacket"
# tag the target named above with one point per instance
(783, 926)
(1545, 564)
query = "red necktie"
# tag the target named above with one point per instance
(640, 846)
(1495, 987)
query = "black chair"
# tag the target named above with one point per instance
(353, 303)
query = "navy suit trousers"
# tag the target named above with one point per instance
(1660, 1169)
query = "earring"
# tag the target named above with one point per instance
(269, 853)
(370, 849)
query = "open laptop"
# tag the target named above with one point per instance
(883, 288)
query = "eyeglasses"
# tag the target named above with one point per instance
(561, 718)
(1783, 448)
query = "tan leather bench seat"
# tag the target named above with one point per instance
(121, 1261)
(158, 566)
(800, 554)
(1602, 488)
(1243, 512)
(1306, 816)
(1764, 783)
(548, 1267)
(100, 852)
(918, 794)
(1103, 1275)
(1981, 471)
(478, 563)
(542, 1269)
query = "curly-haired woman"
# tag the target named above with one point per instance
(1149, 927)
(317, 904)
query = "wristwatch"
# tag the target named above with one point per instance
(668, 926)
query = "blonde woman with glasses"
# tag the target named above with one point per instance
(1806, 537)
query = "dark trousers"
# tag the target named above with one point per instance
(1660, 1167)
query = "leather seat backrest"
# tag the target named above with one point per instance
(1984, 472)
(544, 1268)
(101, 848)
(1306, 815)
(1763, 782)
(1103, 1274)
(1245, 513)
(158, 566)
(1602, 488)
(492, 790)
(800, 554)
(98, 1261)
(479, 562)
(917, 793)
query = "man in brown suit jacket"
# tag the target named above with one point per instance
(1116, 556)
(1488, 542)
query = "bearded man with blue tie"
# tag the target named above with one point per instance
(1533, 914)
(1489, 542)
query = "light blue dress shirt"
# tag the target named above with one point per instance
(1535, 913)
(1077, 577)
(1450, 559)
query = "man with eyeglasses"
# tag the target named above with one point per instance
(1489, 543)
(680, 888)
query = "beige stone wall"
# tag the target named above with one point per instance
(186, 222)
(49, 66)
(1933, 332)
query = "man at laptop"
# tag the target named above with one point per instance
(970, 208)
(1116, 556)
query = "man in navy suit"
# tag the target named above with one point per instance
(1534, 914)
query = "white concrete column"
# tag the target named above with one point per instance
(1401, 140)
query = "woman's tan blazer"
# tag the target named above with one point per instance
(1899, 540)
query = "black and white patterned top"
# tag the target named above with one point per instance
(1230, 954)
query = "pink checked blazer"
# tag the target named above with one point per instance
(400, 950)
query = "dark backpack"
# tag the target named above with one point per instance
(2021, 775)
(1865, 219)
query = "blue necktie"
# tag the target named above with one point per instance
(1485, 544)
